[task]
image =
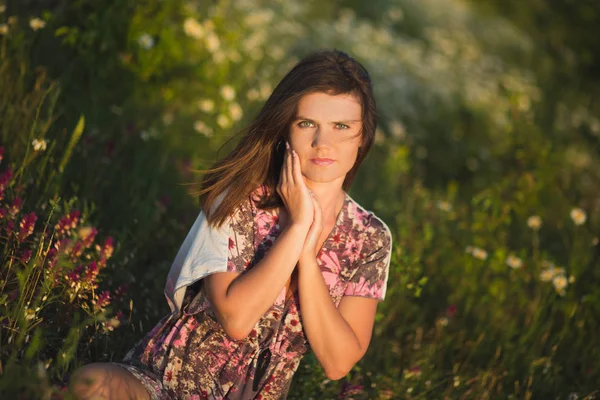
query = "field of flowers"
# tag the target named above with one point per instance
(485, 168)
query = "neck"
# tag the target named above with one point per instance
(330, 197)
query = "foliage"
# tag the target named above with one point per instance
(483, 167)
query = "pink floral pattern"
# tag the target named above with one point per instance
(188, 355)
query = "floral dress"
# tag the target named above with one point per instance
(188, 355)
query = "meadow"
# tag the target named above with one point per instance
(485, 167)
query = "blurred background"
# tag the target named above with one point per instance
(485, 167)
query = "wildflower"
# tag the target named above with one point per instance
(36, 23)
(201, 127)
(68, 222)
(106, 250)
(571, 279)
(26, 226)
(3, 29)
(192, 28)
(479, 253)
(87, 235)
(451, 310)
(213, 43)
(443, 321)
(29, 314)
(444, 206)
(547, 274)
(9, 228)
(412, 372)
(26, 256)
(559, 282)
(103, 299)
(578, 216)
(52, 257)
(235, 111)
(228, 92)
(206, 105)
(146, 41)
(15, 207)
(534, 222)
(91, 272)
(253, 94)
(397, 130)
(5, 178)
(223, 121)
(514, 262)
(39, 144)
(456, 381)
(2, 210)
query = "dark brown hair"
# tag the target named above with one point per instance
(257, 158)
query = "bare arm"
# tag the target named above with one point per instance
(339, 336)
(239, 300)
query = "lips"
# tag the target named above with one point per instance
(322, 161)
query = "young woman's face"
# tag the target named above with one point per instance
(325, 134)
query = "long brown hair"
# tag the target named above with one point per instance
(258, 157)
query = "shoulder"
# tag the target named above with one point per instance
(369, 224)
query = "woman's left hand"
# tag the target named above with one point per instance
(311, 242)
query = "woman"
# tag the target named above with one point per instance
(305, 264)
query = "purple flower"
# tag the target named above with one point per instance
(15, 207)
(5, 178)
(26, 226)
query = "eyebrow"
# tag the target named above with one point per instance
(333, 122)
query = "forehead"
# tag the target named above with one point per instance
(323, 106)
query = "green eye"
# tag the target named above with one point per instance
(302, 124)
(342, 126)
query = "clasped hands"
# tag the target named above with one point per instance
(301, 204)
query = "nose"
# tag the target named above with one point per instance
(321, 138)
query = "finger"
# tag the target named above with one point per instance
(318, 216)
(283, 175)
(289, 161)
(297, 171)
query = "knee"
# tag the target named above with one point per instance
(88, 381)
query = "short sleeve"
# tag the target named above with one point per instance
(370, 278)
(241, 237)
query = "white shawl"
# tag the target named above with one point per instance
(203, 252)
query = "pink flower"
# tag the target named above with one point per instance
(5, 178)
(26, 256)
(91, 272)
(451, 311)
(331, 268)
(103, 299)
(10, 226)
(27, 224)
(2, 212)
(15, 207)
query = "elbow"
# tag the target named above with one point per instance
(336, 374)
(234, 329)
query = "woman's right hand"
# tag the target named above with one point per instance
(293, 191)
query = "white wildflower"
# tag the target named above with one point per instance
(206, 105)
(37, 23)
(228, 92)
(223, 121)
(479, 253)
(39, 144)
(534, 222)
(578, 216)
(146, 41)
(397, 130)
(253, 94)
(547, 274)
(559, 282)
(212, 42)
(235, 111)
(201, 127)
(192, 28)
(444, 206)
(514, 262)
(3, 29)
(29, 314)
